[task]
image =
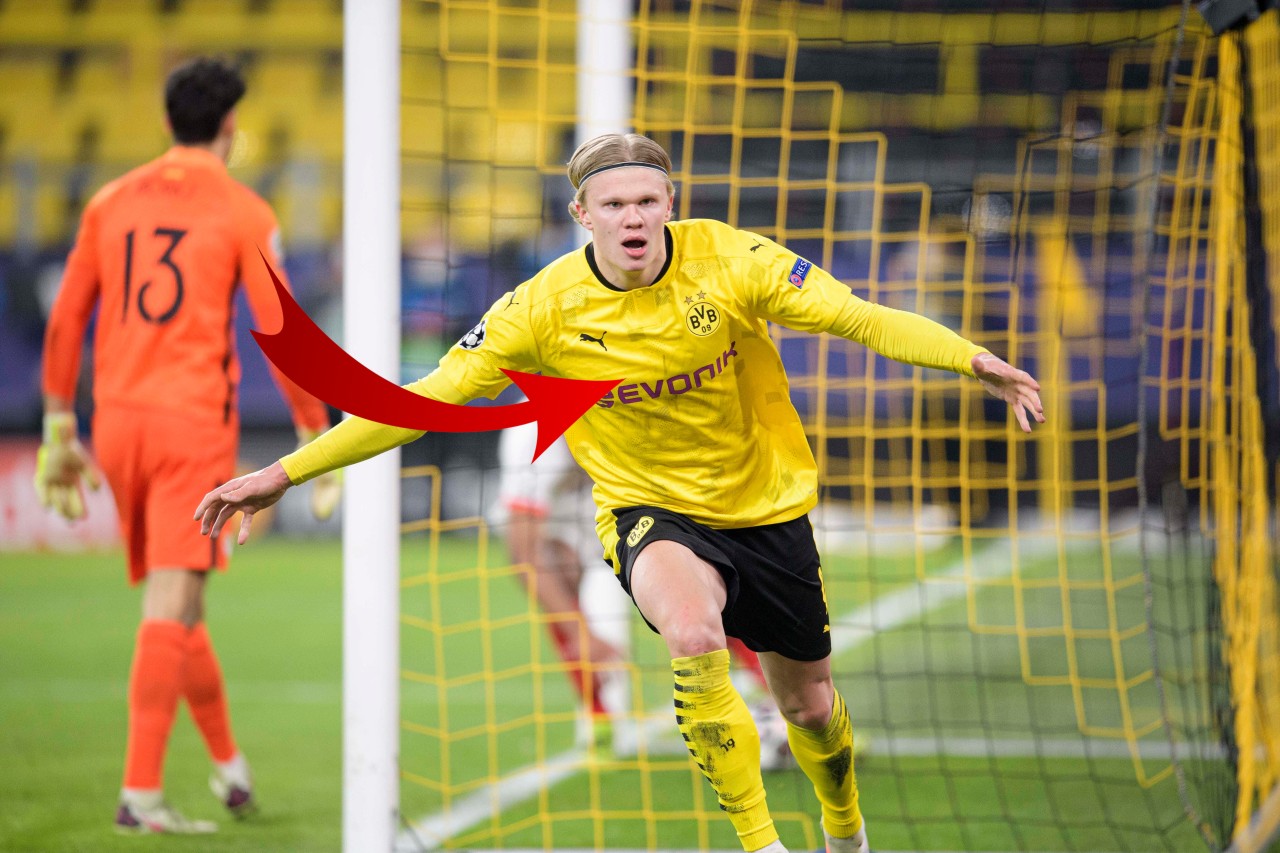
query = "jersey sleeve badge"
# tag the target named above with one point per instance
(799, 271)
(474, 338)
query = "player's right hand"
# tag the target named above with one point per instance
(247, 495)
(61, 462)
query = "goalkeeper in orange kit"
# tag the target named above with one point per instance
(161, 253)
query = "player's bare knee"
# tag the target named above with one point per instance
(174, 594)
(688, 637)
(808, 708)
(812, 716)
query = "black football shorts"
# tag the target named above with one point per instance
(773, 575)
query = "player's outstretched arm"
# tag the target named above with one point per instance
(246, 494)
(1014, 386)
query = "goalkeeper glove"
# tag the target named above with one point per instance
(60, 463)
(326, 490)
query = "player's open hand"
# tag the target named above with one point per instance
(62, 464)
(247, 495)
(1014, 386)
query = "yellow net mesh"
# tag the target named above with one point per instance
(1062, 641)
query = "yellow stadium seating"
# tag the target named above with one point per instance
(84, 84)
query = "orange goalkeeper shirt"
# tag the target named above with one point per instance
(163, 249)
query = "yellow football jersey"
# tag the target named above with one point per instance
(702, 423)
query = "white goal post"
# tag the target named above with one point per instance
(371, 503)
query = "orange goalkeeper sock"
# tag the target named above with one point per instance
(204, 690)
(154, 683)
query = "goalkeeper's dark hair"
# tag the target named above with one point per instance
(197, 97)
(612, 149)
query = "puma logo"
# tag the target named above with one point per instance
(584, 337)
(756, 246)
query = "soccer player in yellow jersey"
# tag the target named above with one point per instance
(703, 477)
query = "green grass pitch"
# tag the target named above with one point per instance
(67, 624)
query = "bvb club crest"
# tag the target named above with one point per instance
(702, 318)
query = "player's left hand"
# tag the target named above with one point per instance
(61, 462)
(326, 490)
(1014, 386)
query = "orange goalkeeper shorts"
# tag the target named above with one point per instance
(159, 465)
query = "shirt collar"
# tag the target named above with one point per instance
(188, 155)
(590, 251)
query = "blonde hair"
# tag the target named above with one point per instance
(614, 149)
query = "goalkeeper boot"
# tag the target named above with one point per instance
(233, 786)
(147, 814)
(856, 843)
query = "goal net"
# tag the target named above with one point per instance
(1062, 641)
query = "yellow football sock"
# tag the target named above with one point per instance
(718, 729)
(826, 757)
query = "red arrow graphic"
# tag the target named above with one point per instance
(310, 358)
